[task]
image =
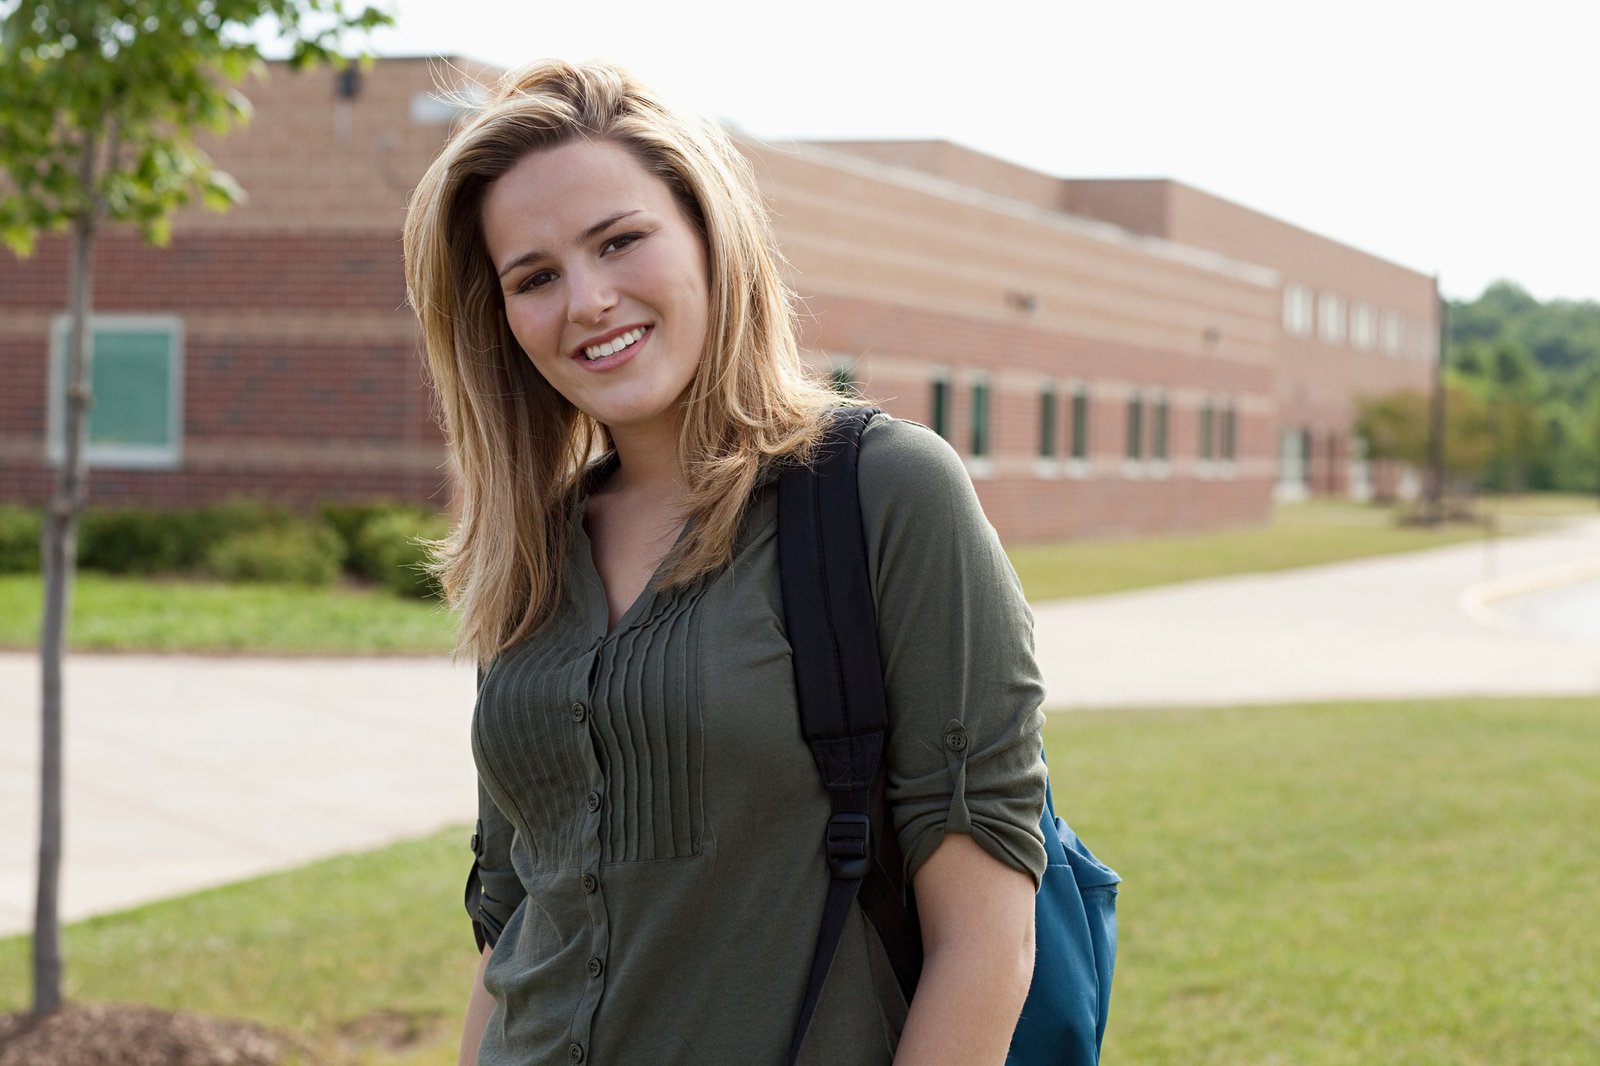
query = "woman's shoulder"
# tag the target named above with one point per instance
(905, 458)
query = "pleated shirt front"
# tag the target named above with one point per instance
(651, 820)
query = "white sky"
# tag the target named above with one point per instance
(1454, 138)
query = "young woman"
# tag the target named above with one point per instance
(615, 355)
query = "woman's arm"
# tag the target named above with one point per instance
(977, 936)
(479, 1005)
(965, 785)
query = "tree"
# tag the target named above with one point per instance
(1395, 427)
(104, 100)
(1535, 367)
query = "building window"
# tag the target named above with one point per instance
(1330, 318)
(1047, 422)
(1294, 451)
(1230, 433)
(940, 420)
(1158, 447)
(1296, 310)
(1363, 327)
(1208, 431)
(1135, 427)
(1080, 423)
(980, 419)
(1393, 329)
(136, 376)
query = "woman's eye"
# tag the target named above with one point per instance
(621, 241)
(537, 280)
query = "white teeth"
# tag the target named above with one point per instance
(612, 347)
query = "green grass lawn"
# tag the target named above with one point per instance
(1301, 534)
(1354, 883)
(141, 614)
(1408, 883)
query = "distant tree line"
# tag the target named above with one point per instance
(1522, 385)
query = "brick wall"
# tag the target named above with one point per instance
(300, 374)
(1320, 381)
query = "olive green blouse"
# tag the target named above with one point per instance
(651, 820)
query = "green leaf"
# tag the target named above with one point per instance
(222, 192)
(159, 71)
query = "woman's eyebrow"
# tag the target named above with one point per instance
(589, 234)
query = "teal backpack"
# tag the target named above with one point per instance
(832, 628)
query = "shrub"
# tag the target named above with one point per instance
(301, 553)
(147, 540)
(21, 532)
(211, 525)
(391, 550)
(348, 519)
(131, 540)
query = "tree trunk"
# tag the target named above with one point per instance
(60, 560)
(1436, 416)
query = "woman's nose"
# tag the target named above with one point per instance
(590, 295)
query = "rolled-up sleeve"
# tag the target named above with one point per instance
(956, 637)
(493, 889)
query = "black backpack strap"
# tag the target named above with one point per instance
(833, 634)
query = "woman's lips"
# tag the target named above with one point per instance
(611, 344)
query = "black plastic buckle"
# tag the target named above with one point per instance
(849, 844)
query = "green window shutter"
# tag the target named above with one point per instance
(843, 380)
(1080, 424)
(1207, 431)
(1229, 433)
(1047, 423)
(135, 370)
(1160, 450)
(940, 422)
(132, 382)
(1135, 428)
(980, 419)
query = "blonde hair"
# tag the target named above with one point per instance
(519, 447)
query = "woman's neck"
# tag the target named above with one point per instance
(648, 464)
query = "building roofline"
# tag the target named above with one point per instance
(950, 189)
(1277, 219)
(838, 144)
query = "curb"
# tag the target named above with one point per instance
(1478, 601)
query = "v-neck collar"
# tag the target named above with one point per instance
(597, 607)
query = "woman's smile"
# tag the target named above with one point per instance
(614, 349)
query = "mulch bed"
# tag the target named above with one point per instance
(106, 1034)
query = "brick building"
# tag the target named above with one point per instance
(1352, 324)
(1110, 357)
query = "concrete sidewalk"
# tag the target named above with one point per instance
(1429, 623)
(188, 772)
(184, 773)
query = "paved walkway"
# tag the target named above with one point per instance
(191, 772)
(1432, 623)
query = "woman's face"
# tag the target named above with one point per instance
(605, 282)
